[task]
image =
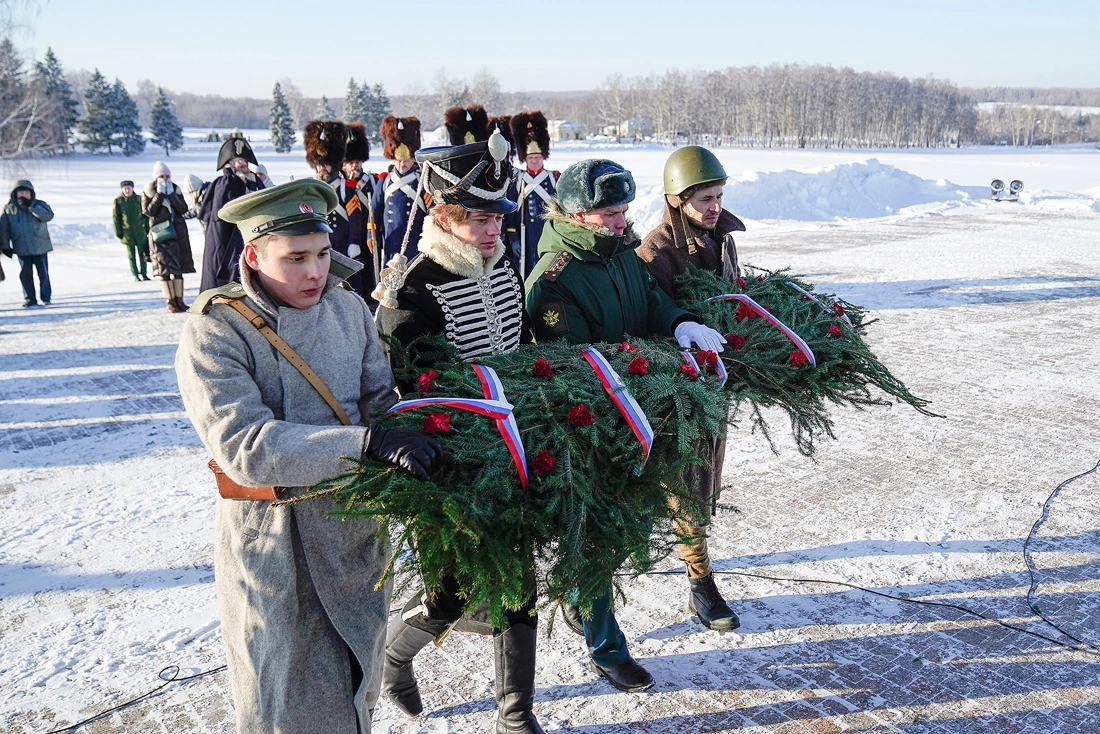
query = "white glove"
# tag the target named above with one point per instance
(161, 186)
(704, 337)
(354, 250)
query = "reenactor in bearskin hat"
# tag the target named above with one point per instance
(396, 197)
(510, 235)
(326, 144)
(239, 173)
(537, 184)
(466, 125)
(360, 186)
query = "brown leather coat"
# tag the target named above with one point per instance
(667, 249)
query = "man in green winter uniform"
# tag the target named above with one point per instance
(590, 286)
(132, 229)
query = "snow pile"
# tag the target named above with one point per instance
(860, 190)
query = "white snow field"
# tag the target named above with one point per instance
(990, 310)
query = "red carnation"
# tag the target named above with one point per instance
(688, 371)
(742, 283)
(834, 330)
(736, 341)
(638, 366)
(838, 309)
(708, 359)
(437, 423)
(426, 382)
(544, 463)
(745, 311)
(627, 347)
(798, 359)
(580, 415)
(543, 368)
(760, 278)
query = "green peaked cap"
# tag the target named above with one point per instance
(294, 208)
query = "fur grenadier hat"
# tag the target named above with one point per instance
(467, 125)
(235, 148)
(531, 133)
(325, 143)
(358, 145)
(503, 125)
(400, 137)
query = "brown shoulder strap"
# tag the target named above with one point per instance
(287, 351)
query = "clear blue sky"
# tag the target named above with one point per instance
(240, 49)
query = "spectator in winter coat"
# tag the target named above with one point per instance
(132, 229)
(23, 232)
(162, 201)
(195, 189)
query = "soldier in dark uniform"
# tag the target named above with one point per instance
(356, 194)
(395, 197)
(237, 167)
(537, 185)
(510, 233)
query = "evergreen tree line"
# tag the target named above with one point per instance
(362, 103)
(37, 109)
(111, 120)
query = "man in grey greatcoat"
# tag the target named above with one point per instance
(302, 625)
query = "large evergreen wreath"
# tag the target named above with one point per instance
(594, 502)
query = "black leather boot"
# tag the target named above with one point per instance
(514, 655)
(398, 680)
(628, 675)
(571, 615)
(707, 603)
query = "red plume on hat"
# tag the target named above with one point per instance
(400, 136)
(325, 143)
(532, 133)
(467, 125)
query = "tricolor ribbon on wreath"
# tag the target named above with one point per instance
(771, 319)
(621, 397)
(813, 298)
(495, 406)
(719, 368)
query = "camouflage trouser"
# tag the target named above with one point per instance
(706, 483)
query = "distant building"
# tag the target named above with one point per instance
(565, 130)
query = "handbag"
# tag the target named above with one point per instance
(163, 231)
(229, 489)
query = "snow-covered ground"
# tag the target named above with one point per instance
(988, 309)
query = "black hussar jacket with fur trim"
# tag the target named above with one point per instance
(451, 290)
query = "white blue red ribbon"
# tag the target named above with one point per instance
(624, 401)
(771, 319)
(488, 408)
(493, 389)
(691, 361)
(813, 298)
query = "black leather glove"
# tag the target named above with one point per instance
(411, 450)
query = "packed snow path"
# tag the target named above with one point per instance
(106, 511)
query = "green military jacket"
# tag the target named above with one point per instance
(131, 226)
(590, 287)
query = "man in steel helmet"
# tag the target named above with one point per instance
(696, 230)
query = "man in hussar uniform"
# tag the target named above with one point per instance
(697, 231)
(326, 150)
(302, 622)
(537, 184)
(396, 197)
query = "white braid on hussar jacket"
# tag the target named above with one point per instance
(484, 311)
(295, 586)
